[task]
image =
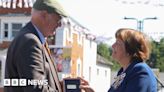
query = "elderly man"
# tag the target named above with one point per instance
(28, 58)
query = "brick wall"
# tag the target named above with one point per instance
(4, 44)
(15, 10)
(1, 90)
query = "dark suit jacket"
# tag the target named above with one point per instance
(138, 78)
(27, 58)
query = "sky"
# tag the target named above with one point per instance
(104, 17)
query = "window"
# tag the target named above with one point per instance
(90, 43)
(97, 71)
(79, 38)
(105, 73)
(15, 28)
(89, 73)
(78, 69)
(0, 71)
(70, 33)
(6, 30)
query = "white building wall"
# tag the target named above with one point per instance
(100, 82)
(9, 20)
(2, 61)
(0, 32)
(59, 40)
(79, 67)
(89, 59)
(103, 79)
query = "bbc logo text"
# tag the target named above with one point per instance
(24, 82)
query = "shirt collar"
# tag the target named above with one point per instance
(42, 38)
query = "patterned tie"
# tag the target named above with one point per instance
(52, 60)
(47, 48)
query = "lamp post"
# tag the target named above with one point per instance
(140, 23)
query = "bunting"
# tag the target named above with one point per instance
(8, 3)
(31, 3)
(142, 2)
(20, 4)
(0, 3)
(26, 3)
(16, 3)
(4, 3)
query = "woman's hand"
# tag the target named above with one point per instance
(85, 86)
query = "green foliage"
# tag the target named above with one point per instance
(105, 51)
(157, 56)
(102, 49)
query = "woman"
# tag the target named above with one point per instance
(131, 50)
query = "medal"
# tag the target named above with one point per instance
(118, 80)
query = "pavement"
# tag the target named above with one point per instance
(161, 77)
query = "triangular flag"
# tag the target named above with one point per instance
(33, 1)
(30, 3)
(4, 3)
(26, 4)
(0, 3)
(20, 4)
(9, 4)
(14, 4)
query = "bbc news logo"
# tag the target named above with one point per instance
(24, 82)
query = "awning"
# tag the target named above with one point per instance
(16, 3)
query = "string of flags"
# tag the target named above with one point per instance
(16, 3)
(13, 4)
(80, 29)
(142, 2)
(71, 24)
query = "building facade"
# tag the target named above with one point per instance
(71, 34)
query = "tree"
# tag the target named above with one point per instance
(160, 55)
(157, 56)
(156, 59)
(105, 51)
(153, 55)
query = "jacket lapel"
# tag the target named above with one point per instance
(52, 68)
(48, 58)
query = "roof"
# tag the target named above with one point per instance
(16, 6)
(103, 61)
(16, 3)
(23, 7)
